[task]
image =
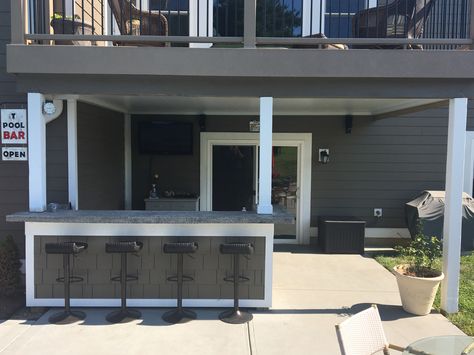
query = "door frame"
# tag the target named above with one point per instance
(303, 141)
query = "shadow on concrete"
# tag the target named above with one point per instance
(296, 249)
(388, 312)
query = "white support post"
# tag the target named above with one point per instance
(36, 152)
(265, 163)
(128, 160)
(453, 209)
(73, 180)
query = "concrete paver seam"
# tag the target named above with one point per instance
(15, 338)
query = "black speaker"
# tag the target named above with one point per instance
(348, 123)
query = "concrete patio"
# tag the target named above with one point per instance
(311, 293)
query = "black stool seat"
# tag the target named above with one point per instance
(123, 247)
(180, 248)
(236, 315)
(66, 249)
(237, 248)
(179, 314)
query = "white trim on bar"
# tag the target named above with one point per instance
(73, 177)
(34, 229)
(453, 209)
(36, 152)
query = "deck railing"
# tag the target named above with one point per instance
(338, 24)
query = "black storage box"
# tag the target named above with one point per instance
(341, 235)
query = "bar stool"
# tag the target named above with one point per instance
(66, 249)
(179, 314)
(123, 248)
(236, 315)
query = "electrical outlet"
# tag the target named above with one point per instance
(378, 212)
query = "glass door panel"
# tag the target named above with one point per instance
(285, 187)
(233, 178)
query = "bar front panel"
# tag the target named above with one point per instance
(207, 266)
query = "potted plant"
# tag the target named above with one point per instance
(70, 26)
(418, 280)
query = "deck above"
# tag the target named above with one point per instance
(152, 217)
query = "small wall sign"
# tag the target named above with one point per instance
(14, 153)
(13, 123)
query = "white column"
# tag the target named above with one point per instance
(453, 209)
(128, 160)
(73, 180)
(36, 152)
(265, 177)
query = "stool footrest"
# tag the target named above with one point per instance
(129, 278)
(241, 279)
(72, 279)
(175, 278)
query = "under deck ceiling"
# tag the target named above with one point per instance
(250, 105)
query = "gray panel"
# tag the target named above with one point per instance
(241, 62)
(408, 88)
(100, 158)
(152, 266)
(56, 159)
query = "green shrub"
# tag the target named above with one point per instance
(421, 254)
(10, 277)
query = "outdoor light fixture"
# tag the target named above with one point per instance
(324, 156)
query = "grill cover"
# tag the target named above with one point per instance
(429, 209)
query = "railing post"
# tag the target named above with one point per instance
(17, 9)
(471, 9)
(250, 23)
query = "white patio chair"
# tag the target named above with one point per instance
(362, 334)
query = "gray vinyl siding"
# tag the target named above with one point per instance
(56, 160)
(100, 140)
(13, 175)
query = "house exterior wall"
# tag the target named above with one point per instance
(100, 140)
(382, 164)
(13, 174)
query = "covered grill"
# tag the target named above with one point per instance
(428, 208)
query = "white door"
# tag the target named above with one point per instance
(229, 168)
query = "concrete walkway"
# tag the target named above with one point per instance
(311, 293)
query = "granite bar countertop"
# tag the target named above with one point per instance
(152, 217)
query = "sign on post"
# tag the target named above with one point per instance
(14, 153)
(13, 123)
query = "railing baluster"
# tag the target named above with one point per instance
(92, 16)
(471, 22)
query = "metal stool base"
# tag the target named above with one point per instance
(179, 315)
(233, 316)
(123, 315)
(66, 317)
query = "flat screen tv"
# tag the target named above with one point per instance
(165, 137)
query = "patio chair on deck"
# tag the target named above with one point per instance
(395, 19)
(132, 21)
(362, 334)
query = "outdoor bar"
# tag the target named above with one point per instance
(85, 244)
(207, 266)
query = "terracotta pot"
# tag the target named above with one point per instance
(417, 293)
